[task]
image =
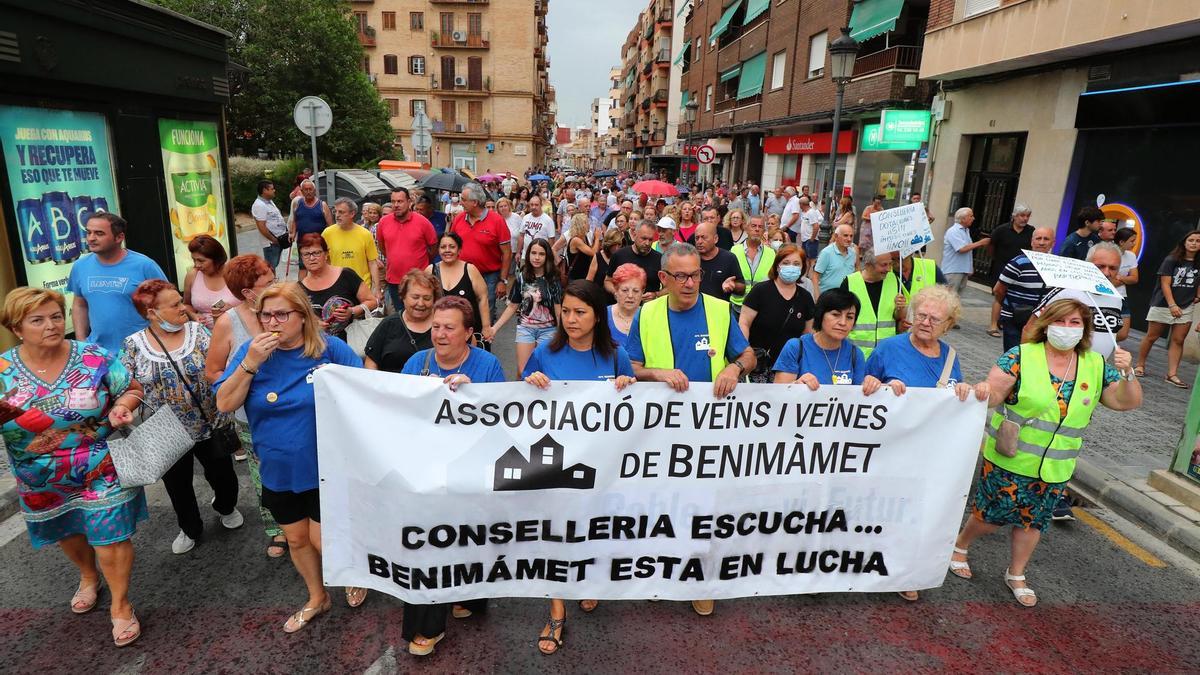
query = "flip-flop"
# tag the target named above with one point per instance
(916, 595)
(994, 333)
(281, 546)
(588, 608)
(355, 596)
(427, 648)
(1139, 371)
(1174, 379)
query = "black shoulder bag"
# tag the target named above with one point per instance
(224, 440)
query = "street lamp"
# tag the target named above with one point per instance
(842, 53)
(646, 146)
(689, 115)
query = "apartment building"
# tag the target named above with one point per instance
(758, 70)
(477, 68)
(1059, 104)
(649, 98)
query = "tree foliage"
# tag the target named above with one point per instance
(292, 49)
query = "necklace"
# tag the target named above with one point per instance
(458, 368)
(833, 367)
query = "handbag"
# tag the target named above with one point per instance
(359, 332)
(150, 449)
(223, 440)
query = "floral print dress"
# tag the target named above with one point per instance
(55, 433)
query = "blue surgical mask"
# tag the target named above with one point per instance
(168, 326)
(789, 273)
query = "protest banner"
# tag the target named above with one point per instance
(505, 490)
(905, 229)
(1061, 272)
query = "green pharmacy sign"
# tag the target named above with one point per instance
(904, 126)
(871, 141)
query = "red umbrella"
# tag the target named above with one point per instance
(655, 188)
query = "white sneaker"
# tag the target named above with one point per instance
(232, 521)
(182, 544)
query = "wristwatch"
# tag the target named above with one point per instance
(1128, 375)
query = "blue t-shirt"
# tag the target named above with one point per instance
(572, 364)
(689, 340)
(618, 337)
(1075, 246)
(896, 358)
(480, 366)
(108, 290)
(846, 362)
(285, 430)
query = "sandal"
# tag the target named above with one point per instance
(460, 612)
(355, 596)
(424, 649)
(1022, 592)
(911, 598)
(994, 332)
(126, 631)
(1140, 371)
(960, 568)
(278, 545)
(302, 618)
(559, 625)
(85, 599)
(588, 606)
(1174, 379)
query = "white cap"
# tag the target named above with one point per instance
(665, 223)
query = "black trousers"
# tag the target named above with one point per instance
(430, 620)
(220, 475)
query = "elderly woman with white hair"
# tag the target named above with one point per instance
(919, 358)
(957, 261)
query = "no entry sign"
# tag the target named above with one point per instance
(705, 154)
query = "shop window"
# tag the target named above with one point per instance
(778, 62)
(390, 65)
(389, 21)
(816, 54)
(416, 20)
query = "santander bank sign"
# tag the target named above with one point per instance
(809, 144)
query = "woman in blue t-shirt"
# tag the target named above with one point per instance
(582, 349)
(827, 356)
(271, 376)
(453, 360)
(629, 283)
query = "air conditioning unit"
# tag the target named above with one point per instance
(459, 128)
(459, 36)
(460, 81)
(373, 77)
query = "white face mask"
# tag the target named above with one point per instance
(1064, 338)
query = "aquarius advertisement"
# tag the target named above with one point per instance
(60, 172)
(195, 186)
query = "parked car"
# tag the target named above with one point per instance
(361, 186)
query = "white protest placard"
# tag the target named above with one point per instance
(505, 490)
(1062, 272)
(905, 229)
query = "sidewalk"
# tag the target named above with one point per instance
(1120, 449)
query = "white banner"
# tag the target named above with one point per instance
(1062, 272)
(904, 228)
(504, 490)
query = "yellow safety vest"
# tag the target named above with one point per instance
(924, 273)
(874, 323)
(766, 258)
(655, 332)
(1047, 447)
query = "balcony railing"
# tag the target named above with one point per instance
(452, 86)
(660, 96)
(460, 39)
(898, 57)
(462, 128)
(366, 36)
(663, 57)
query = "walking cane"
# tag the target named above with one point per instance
(288, 270)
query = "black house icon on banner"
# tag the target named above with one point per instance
(542, 470)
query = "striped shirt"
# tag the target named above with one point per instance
(1025, 286)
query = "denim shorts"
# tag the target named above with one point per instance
(534, 336)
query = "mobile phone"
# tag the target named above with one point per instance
(218, 304)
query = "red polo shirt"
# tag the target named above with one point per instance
(405, 243)
(482, 240)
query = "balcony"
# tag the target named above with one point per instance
(660, 98)
(900, 57)
(539, 7)
(664, 19)
(462, 130)
(366, 36)
(460, 39)
(658, 138)
(663, 57)
(459, 86)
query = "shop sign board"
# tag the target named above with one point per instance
(809, 144)
(900, 126)
(195, 184)
(59, 172)
(872, 141)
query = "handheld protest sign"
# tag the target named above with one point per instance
(1062, 272)
(904, 229)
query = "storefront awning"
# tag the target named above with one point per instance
(684, 97)
(874, 17)
(753, 71)
(731, 73)
(686, 45)
(755, 8)
(723, 24)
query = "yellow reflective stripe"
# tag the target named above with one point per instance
(1039, 423)
(1037, 450)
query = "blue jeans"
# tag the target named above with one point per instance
(393, 292)
(272, 254)
(810, 250)
(491, 279)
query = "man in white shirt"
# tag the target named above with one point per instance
(810, 227)
(507, 185)
(957, 260)
(790, 220)
(270, 222)
(535, 225)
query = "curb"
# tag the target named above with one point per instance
(1125, 499)
(8, 501)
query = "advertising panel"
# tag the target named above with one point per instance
(904, 126)
(60, 172)
(195, 186)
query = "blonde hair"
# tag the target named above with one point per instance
(938, 294)
(579, 226)
(503, 201)
(293, 294)
(745, 218)
(1058, 310)
(20, 302)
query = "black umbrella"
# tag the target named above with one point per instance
(604, 174)
(450, 182)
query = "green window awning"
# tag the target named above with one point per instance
(723, 24)
(755, 8)
(874, 17)
(684, 97)
(753, 71)
(731, 73)
(682, 52)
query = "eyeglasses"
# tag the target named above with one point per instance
(684, 278)
(276, 317)
(931, 319)
(312, 254)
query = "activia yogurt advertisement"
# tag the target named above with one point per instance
(194, 184)
(59, 172)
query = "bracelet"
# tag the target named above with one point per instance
(247, 369)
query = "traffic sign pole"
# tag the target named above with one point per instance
(312, 116)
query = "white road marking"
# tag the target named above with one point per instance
(385, 664)
(12, 528)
